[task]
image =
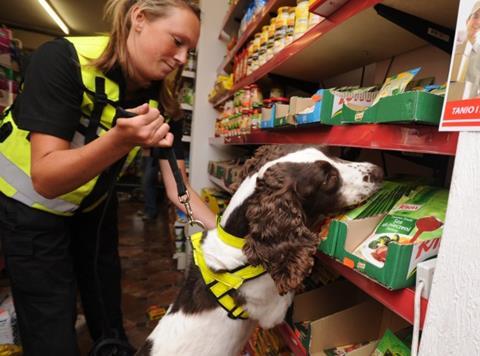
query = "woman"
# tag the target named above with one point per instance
(59, 147)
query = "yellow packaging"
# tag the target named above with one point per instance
(281, 25)
(314, 19)
(301, 18)
(255, 51)
(271, 39)
(291, 25)
(262, 53)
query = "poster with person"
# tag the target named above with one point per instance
(461, 110)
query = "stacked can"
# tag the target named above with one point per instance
(281, 26)
(301, 18)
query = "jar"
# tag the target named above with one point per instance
(281, 25)
(255, 96)
(271, 39)
(255, 51)
(246, 98)
(280, 100)
(250, 58)
(256, 118)
(262, 54)
(301, 18)
(276, 91)
(245, 122)
(291, 25)
(314, 19)
(267, 103)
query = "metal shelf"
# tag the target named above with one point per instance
(407, 138)
(353, 36)
(220, 183)
(400, 301)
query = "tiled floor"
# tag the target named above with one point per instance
(150, 276)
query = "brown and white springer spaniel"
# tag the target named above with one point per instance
(286, 191)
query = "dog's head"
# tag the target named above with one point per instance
(286, 190)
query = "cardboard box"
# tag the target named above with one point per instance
(298, 104)
(281, 115)
(334, 101)
(413, 106)
(400, 265)
(268, 118)
(340, 314)
(321, 302)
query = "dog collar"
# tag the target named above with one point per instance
(229, 239)
(222, 284)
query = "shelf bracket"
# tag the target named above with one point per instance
(437, 35)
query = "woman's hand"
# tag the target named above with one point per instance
(147, 129)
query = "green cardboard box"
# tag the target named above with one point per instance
(336, 99)
(379, 203)
(351, 116)
(409, 107)
(413, 106)
(399, 268)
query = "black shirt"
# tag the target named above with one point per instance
(52, 95)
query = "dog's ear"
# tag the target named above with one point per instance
(278, 238)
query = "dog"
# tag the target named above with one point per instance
(286, 191)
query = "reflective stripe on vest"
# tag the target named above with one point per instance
(15, 151)
(24, 191)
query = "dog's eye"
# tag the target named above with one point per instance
(331, 181)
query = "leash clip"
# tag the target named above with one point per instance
(185, 200)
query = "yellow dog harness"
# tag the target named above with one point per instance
(221, 284)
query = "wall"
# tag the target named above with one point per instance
(452, 325)
(210, 51)
(433, 61)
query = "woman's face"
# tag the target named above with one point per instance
(158, 46)
(473, 25)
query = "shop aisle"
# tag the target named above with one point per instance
(150, 276)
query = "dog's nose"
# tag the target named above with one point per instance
(375, 175)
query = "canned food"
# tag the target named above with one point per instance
(301, 18)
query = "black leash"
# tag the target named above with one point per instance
(110, 344)
(182, 191)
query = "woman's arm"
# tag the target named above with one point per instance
(200, 210)
(57, 169)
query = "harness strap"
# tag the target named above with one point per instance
(221, 284)
(100, 100)
(229, 239)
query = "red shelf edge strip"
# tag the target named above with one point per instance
(395, 137)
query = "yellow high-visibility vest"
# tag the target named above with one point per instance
(99, 101)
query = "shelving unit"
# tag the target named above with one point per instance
(353, 37)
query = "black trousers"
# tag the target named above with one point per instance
(47, 257)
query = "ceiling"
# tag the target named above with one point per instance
(81, 16)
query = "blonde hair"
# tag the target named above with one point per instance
(118, 13)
